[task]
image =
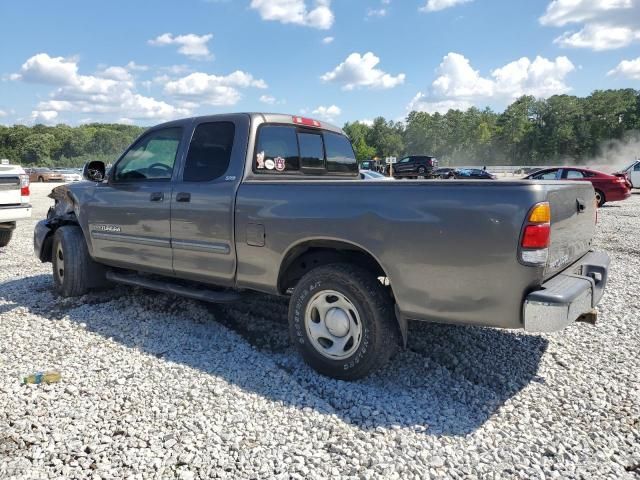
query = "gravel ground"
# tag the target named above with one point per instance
(155, 386)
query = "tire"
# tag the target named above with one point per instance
(41, 179)
(364, 310)
(5, 237)
(600, 198)
(422, 171)
(74, 271)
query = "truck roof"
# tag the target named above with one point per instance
(261, 117)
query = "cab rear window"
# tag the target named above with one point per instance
(284, 149)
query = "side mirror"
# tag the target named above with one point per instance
(94, 171)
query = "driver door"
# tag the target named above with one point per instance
(129, 216)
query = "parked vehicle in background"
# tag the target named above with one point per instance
(414, 166)
(70, 176)
(372, 165)
(14, 199)
(608, 188)
(527, 170)
(442, 172)
(470, 174)
(210, 207)
(632, 172)
(371, 175)
(42, 174)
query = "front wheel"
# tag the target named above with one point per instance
(41, 179)
(74, 271)
(600, 198)
(342, 322)
(5, 237)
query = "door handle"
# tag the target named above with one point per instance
(183, 197)
(157, 197)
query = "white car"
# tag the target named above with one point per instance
(70, 176)
(633, 173)
(371, 175)
(14, 199)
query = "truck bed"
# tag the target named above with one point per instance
(449, 248)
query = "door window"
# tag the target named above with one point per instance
(209, 152)
(151, 158)
(574, 175)
(636, 168)
(405, 160)
(548, 175)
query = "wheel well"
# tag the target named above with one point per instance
(304, 257)
(54, 224)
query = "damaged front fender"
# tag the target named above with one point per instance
(63, 212)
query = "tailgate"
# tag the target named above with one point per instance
(10, 190)
(573, 222)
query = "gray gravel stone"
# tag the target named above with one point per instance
(155, 386)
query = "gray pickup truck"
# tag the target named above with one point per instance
(215, 206)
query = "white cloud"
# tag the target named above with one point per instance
(191, 45)
(436, 5)
(606, 24)
(212, 89)
(627, 69)
(359, 71)
(377, 12)
(109, 92)
(3, 113)
(268, 99)
(328, 40)
(296, 12)
(328, 113)
(42, 68)
(598, 37)
(116, 73)
(137, 67)
(459, 86)
(44, 116)
(563, 12)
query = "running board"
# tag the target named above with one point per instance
(196, 293)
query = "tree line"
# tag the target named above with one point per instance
(530, 131)
(559, 129)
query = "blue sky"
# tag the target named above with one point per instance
(144, 62)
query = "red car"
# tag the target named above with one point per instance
(609, 188)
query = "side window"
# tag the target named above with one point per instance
(210, 152)
(405, 160)
(151, 158)
(574, 174)
(311, 151)
(637, 167)
(340, 156)
(277, 149)
(548, 175)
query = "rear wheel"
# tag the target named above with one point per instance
(600, 198)
(5, 237)
(74, 271)
(41, 179)
(422, 171)
(341, 320)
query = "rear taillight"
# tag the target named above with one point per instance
(24, 188)
(536, 235)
